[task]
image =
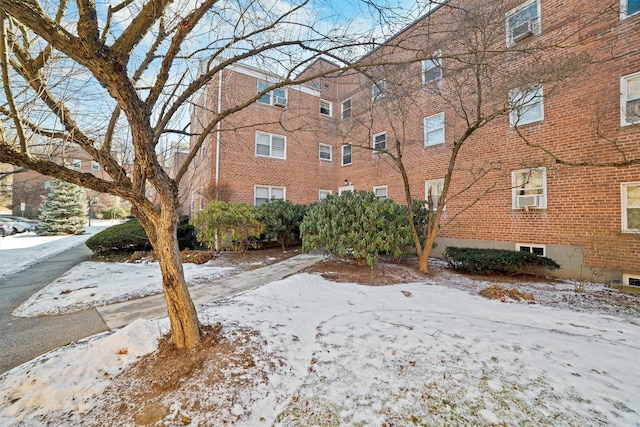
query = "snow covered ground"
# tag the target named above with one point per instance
(362, 356)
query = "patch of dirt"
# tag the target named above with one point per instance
(215, 381)
(388, 271)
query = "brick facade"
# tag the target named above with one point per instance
(579, 220)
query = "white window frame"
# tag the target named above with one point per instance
(531, 246)
(270, 189)
(326, 147)
(378, 190)
(430, 130)
(540, 199)
(624, 98)
(523, 102)
(430, 64)
(624, 205)
(95, 166)
(76, 164)
(272, 94)
(330, 108)
(346, 113)
(627, 277)
(342, 155)
(47, 185)
(535, 23)
(322, 194)
(271, 137)
(374, 143)
(624, 7)
(433, 183)
(378, 90)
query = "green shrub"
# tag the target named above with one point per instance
(234, 225)
(356, 224)
(115, 212)
(130, 237)
(125, 237)
(282, 221)
(491, 261)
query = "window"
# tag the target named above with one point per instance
(630, 207)
(434, 130)
(532, 249)
(201, 206)
(380, 141)
(76, 164)
(380, 192)
(432, 68)
(95, 166)
(378, 90)
(346, 109)
(529, 188)
(523, 21)
(346, 155)
(325, 152)
(277, 97)
(433, 186)
(47, 185)
(526, 105)
(270, 145)
(322, 194)
(262, 194)
(629, 7)
(325, 108)
(192, 204)
(631, 279)
(630, 99)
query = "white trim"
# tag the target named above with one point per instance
(433, 118)
(342, 117)
(436, 60)
(624, 93)
(270, 189)
(427, 184)
(320, 146)
(627, 276)
(373, 141)
(534, 201)
(531, 245)
(623, 10)
(326, 192)
(381, 187)
(537, 24)
(271, 135)
(330, 108)
(520, 95)
(342, 163)
(624, 207)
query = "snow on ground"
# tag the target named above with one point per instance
(370, 356)
(85, 286)
(19, 251)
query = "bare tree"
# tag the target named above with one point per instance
(469, 73)
(89, 75)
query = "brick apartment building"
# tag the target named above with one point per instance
(517, 182)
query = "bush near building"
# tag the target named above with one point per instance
(496, 261)
(356, 225)
(130, 237)
(226, 225)
(282, 220)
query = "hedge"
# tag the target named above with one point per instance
(492, 261)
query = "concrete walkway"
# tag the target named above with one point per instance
(123, 313)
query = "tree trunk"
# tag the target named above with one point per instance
(423, 261)
(185, 326)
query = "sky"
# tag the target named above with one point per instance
(356, 355)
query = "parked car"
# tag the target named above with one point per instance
(17, 226)
(26, 223)
(5, 230)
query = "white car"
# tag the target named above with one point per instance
(18, 225)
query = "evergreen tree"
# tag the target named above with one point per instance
(63, 210)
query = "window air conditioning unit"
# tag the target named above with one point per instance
(279, 101)
(527, 202)
(521, 31)
(633, 111)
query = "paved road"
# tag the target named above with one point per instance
(23, 338)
